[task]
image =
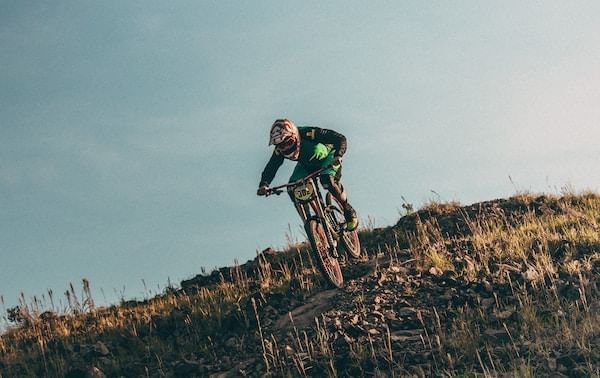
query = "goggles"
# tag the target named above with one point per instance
(287, 146)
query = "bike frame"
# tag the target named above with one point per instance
(321, 216)
(314, 202)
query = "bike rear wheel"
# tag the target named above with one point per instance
(329, 265)
(349, 239)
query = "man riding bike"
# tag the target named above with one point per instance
(313, 148)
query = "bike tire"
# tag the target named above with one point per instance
(328, 265)
(349, 239)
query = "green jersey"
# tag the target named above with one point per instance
(318, 147)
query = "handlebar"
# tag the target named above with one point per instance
(279, 189)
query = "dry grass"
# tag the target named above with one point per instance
(535, 259)
(192, 318)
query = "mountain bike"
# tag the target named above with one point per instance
(324, 223)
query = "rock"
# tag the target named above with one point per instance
(398, 269)
(94, 351)
(449, 294)
(407, 311)
(487, 302)
(338, 323)
(231, 342)
(226, 374)
(94, 372)
(270, 251)
(487, 286)
(418, 371)
(79, 372)
(186, 368)
(101, 349)
(379, 315)
(106, 363)
(407, 335)
(531, 274)
(404, 339)
(355, 330)
(497, 334)
(562, 368)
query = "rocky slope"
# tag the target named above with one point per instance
(505, 287)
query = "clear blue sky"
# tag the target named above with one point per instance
(133, 133)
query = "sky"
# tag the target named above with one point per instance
(133, 134)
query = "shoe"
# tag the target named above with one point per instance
(351, 218)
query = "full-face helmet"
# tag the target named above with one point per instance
(286, 138)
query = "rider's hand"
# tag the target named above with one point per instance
(320, 152)
(336, 162)
(262, 190)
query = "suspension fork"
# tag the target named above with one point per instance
(303, 211)
(304, 208)
(317, 205)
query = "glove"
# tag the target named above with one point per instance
(320, 152)
(262, 190)
(336, 162)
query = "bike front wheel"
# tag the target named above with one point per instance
(329, 265)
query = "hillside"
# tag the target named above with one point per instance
(508, 287)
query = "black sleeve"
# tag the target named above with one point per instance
(327, 136)
(271, 169)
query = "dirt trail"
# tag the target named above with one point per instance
(304, 315)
